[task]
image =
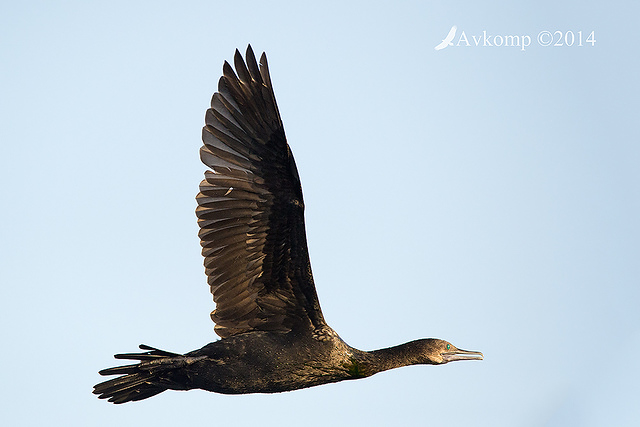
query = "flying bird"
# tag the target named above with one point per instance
(447, 40)
(251, 215)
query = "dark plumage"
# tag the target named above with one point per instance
(251, 217)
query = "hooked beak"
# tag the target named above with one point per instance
(459, 354)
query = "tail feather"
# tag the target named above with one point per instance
(153, 353)
(152, 375)
(120, 370)
(128, 388)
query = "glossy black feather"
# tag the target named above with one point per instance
(251, 211)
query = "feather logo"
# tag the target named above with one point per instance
(447, 40)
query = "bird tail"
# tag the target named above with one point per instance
(155, 373)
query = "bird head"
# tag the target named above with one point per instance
(439, 352)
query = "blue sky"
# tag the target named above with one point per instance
(489, 196)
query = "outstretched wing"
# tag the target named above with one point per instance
(451, 35)
(250, 210)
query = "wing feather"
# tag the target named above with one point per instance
(250, 210)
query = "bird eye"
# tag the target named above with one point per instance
(448, 346)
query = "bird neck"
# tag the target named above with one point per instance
(397, 356)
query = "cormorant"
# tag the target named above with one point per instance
(251, 217)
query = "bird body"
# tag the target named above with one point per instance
(251, 217)
(260, 362)
(251, 362)
(268, 362)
